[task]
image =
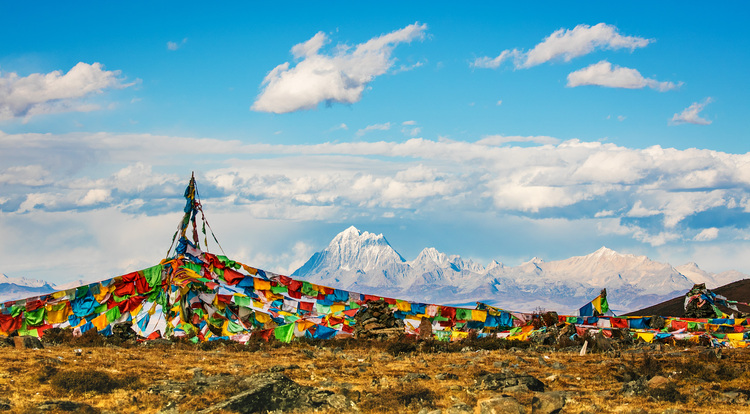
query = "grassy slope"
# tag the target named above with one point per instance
(371, 375)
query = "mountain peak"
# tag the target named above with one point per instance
(535, 260)
(605, 251)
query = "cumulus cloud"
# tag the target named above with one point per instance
(653, 194)
(340, 77)
(375, 127)
(603, 74)
(707, 234)
(691, 114)
(566, 44)
(43, 93)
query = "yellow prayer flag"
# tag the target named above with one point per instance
(646, 336)
(403, 305)
(58, 313)
(738, 336)
(597, 303)
(262, 317)
(262, 284)
(337, 308)
(100, 322)
(103, 292)
(456, 335)
(478, 315)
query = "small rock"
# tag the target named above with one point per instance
(64, 405)
(548, 402)
(504, 380)
(446, 376)
(633, 388)
(459, 408)
(500, 405)
(516, 389)
(558, 366)
(657, 382)
(341, 404)
(415, 376)
(4, 404)
(27, 342)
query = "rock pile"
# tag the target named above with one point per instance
(376, 321)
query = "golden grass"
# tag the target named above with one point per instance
(372, 377)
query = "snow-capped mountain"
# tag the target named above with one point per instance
(712, 280)
(12, 288)
(365, 262)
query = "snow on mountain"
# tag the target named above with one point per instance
(353, 258)
(712, 280)
(365, 262)
(14, 288)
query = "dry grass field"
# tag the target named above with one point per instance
(379, 377)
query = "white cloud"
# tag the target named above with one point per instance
(566, 44)
(603, 74)
(707, 234)
(691, 114)
(340, 77)
(409, 123)
(43, 93)
(639, 210)
(647, 192)
(94, 196)
(176, 45)
(499, 102)
(412, 132)
(375, 127)
(504, 139)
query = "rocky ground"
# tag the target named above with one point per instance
(93, 375)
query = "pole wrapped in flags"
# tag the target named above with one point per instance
(597, 307)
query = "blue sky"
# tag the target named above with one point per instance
(496, 131)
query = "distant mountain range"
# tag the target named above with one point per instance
(365, 262)
(13, 288)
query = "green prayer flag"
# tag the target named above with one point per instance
(101, 308)
(307, 289)
(284, 333)
(113, 314)
(195, 267)
(16, 310)
(463, 314)
(279, 289)
(82, 291)
(35, 318)
(234, 327)
(153, 275)
(243, 301)
(605, 306)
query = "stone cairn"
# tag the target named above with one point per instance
(376, 321)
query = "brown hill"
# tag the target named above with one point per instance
(739, 290)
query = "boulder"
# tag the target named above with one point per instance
(548, 402)
(274, 391)
(502, 380)
(500, 405)
(28, 342)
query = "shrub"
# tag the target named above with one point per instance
(408, 396)
(85, 381)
